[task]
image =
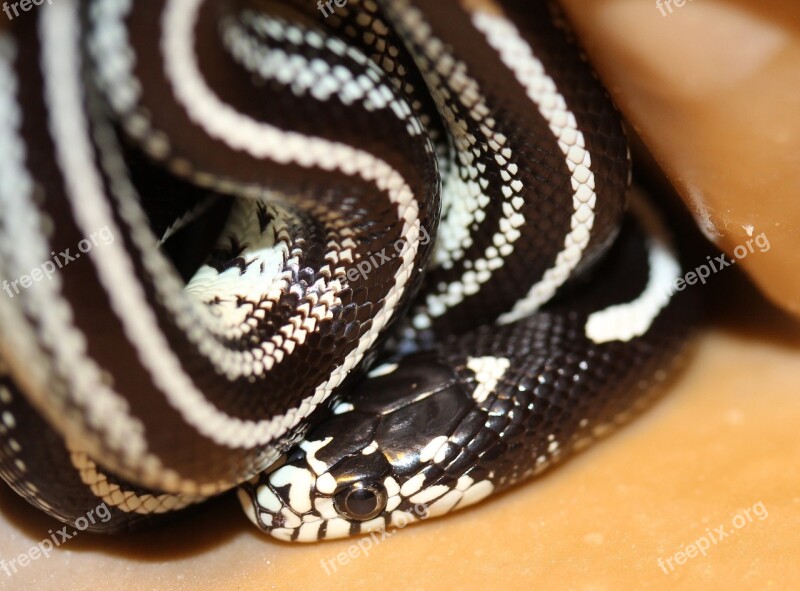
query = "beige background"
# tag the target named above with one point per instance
(713, 89)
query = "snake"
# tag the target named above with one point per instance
(363, 261)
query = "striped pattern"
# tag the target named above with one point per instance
(175, 335)
(268, 186)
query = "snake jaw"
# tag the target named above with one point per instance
(298, 500)
(301, 500)
(279, 509)
(296, 503)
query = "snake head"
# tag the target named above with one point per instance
(391, 454)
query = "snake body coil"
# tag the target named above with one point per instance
(269, 204)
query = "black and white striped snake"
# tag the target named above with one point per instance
(255, 188)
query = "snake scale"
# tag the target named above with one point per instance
(353, 258)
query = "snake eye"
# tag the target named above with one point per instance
(361, 501)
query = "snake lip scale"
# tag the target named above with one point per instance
(246, 328)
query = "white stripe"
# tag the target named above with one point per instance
(126, 501)
(104, 410)
(15, 182)
(316, 76)
(517, 55)
(465, 201)
(624, 322)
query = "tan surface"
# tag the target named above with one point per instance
(724, 439)
(713, 89)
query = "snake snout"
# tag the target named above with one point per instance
(280, 502)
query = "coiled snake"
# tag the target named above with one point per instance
(274, 198)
